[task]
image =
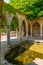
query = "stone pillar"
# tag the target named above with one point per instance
(20, 28)
(41, 30)
(9, 18)
(26, 30)
(8, 34)
(31, 29)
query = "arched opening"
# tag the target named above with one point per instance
(14, 28)
(36, 29)
(23, 28)
(29, 32)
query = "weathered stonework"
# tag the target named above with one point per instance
(36, 26)
(9, 17)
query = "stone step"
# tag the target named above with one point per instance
(36, 61)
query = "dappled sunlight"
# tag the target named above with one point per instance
(38, 47)
(25, 57)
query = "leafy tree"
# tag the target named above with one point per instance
(9, 8)
(31, 8)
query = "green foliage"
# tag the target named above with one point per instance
(4, 25)
(31, 8)
(39, 5)
(9, 8)
(14, 24)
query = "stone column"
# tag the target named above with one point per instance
(41, 30)
(26, 30)
(9, 18)
(20, 28)
(8, 34)
(31, 30)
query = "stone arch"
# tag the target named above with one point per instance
(36, 29)
(14, 27)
